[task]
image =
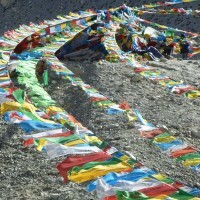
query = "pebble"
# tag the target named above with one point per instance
(136, 78)
(6, 3)
(54, 196)
(127, 148)
(196, 134)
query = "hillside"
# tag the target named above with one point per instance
(26, 173)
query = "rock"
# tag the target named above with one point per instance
(129, 75)
(136, 78)
(127, 148)
(54, 82)
(7, 3)
(197, 185)
(195, 133)
(14, 9)
(54, 196)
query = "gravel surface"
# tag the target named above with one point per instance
(27, 174)
(156, 103)
(17, 12)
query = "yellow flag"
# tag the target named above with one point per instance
(192, 162)
(9, 106)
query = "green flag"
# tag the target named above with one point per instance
(19, 95)
(123, 195)
(45, 77)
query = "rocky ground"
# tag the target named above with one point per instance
(16, 12)
(156, 104)
(28, 174)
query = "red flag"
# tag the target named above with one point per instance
(182, 152)
(124, 105)
(64, 166)
(163, 189)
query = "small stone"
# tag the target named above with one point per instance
(117, 138)
(197, 185)
(129, 75)
(14, 9)
(127, 148)
(173, 166)
(54, 82)
(6, 3)
(55, 196)
(195, 134)
(136, 78)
